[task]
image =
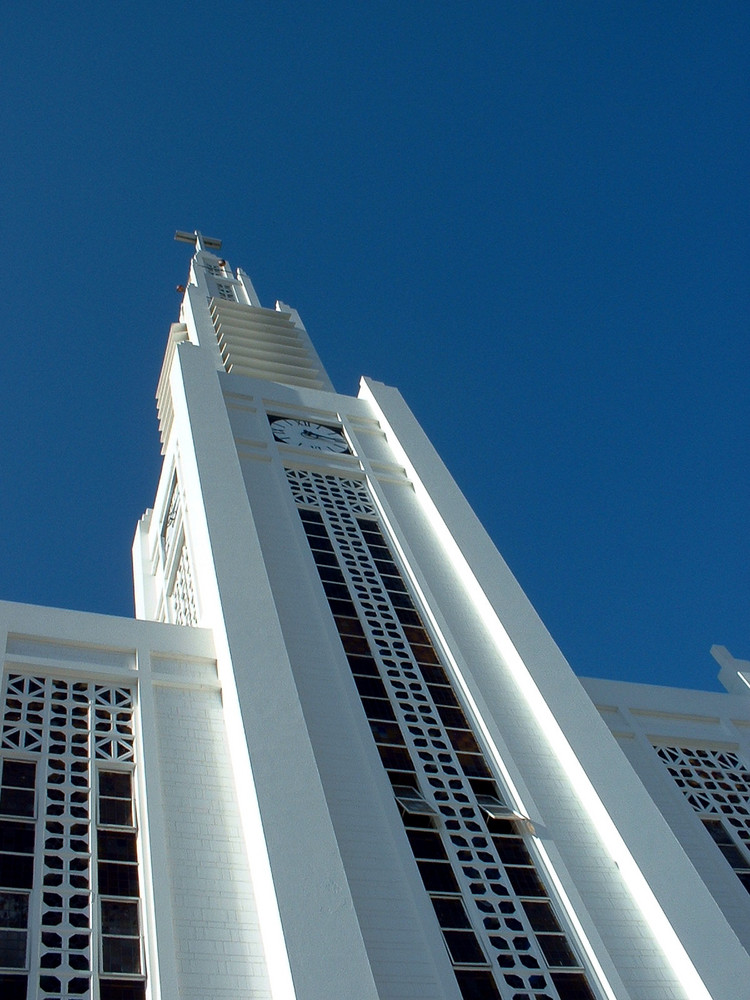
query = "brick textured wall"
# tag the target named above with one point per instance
(219, 949)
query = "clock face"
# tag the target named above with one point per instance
(306, 434)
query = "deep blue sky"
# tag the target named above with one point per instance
(532, 217)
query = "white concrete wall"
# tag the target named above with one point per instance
(638, 888)
(219, 951)
(199, 916)
(312, 938)
(641, 716)
(397, 923)
(341, 909)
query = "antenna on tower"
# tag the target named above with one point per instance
(199, 241)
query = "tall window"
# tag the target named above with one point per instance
(117, 883)
(67, 752)
(473, 852)
(716, 783)
(17, 839)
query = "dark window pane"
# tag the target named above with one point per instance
(310, 516)
(734, 856)
(556, 950)
(433, 675)
(13, 949)
(118, 880)
(116, 784)
(378, 708)
(18, 774)
(425, 654)
(319, 543)
(463, 740)
(437, 876)
(348, 626)
(395, 759)
(572, 986)
(427, 845)
(417, 635)
(16, 871)
(400, 600)
(355, 644)
(505, 826)
(718, 831)
(378, 550)
(482, 787)
(450, 912)
(443, 696)
(363, 665)
(342, 607)
(119, 917)
(17, 802)
(335, 590)
(12, 987)
(406, 615)
(115, 812)
(370, 530)
(387, 733)
(116, 989)
(116, 846)
(121, 954)
(324, 554)
(331, 574)
(541, 916)
(14, 909)
(453, 717)
(526, 882)
(512, 850)
(370, 687)
(411, 820)
(477, 985)
(464, 948)
(18, 837)
(387, 570)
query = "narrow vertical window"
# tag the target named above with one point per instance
(472, 850)
(118, 889)
(17, 839)
(716, 783)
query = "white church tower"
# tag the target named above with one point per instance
(338, 756)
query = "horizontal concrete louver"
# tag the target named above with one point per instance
(178, 332)
(264, 343)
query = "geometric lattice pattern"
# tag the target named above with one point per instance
(65, 962)
(713, 781)
(339, 497)
(499, 925)
(64, 725)
(113, 725)
(182, 597)
(716, 783)
(22, 719)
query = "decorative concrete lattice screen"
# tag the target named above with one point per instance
(62, 848)
(183, 592)
(716, 783)
(474, 853)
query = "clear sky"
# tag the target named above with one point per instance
(530, 216)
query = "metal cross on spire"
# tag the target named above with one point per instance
(199, 241)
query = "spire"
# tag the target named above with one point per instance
(223, 310)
